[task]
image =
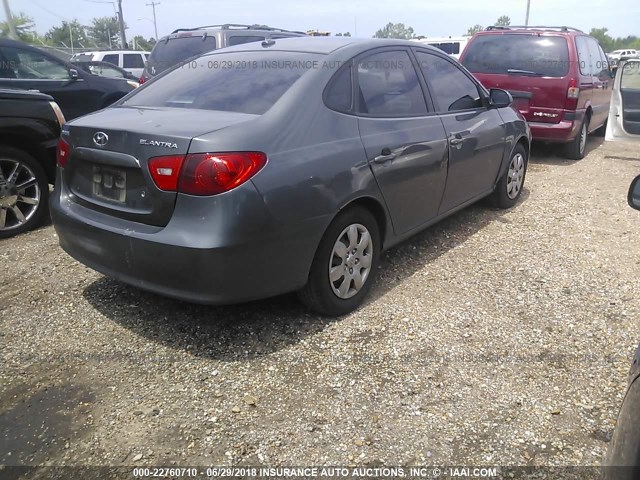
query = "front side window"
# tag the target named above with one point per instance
(25, 64)
(452, 89)
(388, 86)
(631, 76)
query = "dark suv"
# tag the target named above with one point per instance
(559, 78)
(185, 43)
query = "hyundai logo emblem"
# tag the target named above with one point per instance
(100, 139)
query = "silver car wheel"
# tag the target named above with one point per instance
(19, 194)
(350, 261)
(583, 138)
(515, 176)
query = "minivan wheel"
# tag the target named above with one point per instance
(24, 191)
(576, 149)
(509, 187)
(345, 263)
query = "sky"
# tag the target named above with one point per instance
(432, 18)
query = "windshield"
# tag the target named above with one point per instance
(243, 82)
(545, 56)
(168, 53)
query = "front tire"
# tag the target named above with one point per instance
(24, 192)
(509, 187)
(345, 263)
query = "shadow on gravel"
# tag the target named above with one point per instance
(551, 154)
(246, 331)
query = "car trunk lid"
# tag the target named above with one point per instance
(108, 167)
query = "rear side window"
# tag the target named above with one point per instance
(546, 56)
(111, 58)
(132, 60)
(252, 83)
(451, 88)
(584, 60)
(338, 95)
(167, 54)
(389, 87)
(240, 39)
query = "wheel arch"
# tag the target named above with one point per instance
(34, 149)
(378, 211)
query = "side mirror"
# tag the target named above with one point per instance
(634, 193)
(499, 98)
(73, 74)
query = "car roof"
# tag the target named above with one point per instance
(533, 30)
(322, 45)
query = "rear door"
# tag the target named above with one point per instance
(404, 141)
(475, 133)
(624, 116)
(601, 91)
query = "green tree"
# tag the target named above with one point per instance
(503, 21)
(24, 28)
(65, 33)
(104, 32)
(602, 35)
(395, 30)
(475, 29)
(142, 44)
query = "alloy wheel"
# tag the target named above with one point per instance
(515, 176)
(19, 194)
(350, 261)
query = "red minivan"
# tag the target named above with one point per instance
(559, 78)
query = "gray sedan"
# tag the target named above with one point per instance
(280, 166)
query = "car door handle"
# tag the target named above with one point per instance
(386, 155)
(456, 139)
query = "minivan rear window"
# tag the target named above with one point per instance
(546, 56)
(169, 53)
(243, 82)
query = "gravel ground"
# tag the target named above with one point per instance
(493, 338)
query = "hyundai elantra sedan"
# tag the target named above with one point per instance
(281, 166)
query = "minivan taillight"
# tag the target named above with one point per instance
(165, 171)
(214, 173)
(573, 93)
(62, 153)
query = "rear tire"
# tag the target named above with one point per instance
(24, 192)
(509, 187)
(345, 263)
(576, 149)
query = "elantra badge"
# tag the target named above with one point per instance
(156, 143)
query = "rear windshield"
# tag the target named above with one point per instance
(243, 82)
(529, 54)
(167, 54)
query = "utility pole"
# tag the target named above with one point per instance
(123, 37)
(71, 36)
(526, 20)
(12, 28)
(155, 25)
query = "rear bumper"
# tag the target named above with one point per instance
(562, 132)
(209, 261)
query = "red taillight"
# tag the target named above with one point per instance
(574, 89)
(62, 153)
(141, 80)
(165, 171)
(213, 173)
